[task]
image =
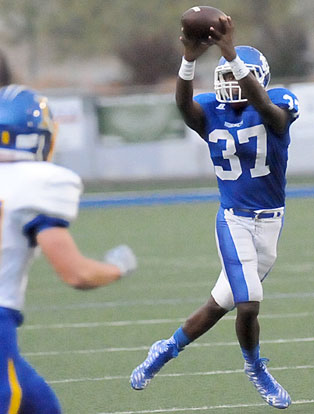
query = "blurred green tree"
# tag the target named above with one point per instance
(282, 32)
(144, 33)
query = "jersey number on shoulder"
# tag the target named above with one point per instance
(260, 168)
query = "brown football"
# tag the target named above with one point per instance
(197, 21)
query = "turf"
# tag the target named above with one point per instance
(87, 343)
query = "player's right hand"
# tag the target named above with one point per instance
(193, 49)
(123, 257)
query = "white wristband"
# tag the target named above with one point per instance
(187, 69)
(239, 69)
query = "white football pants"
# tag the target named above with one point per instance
(248, 249)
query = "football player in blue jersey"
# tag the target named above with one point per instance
(247, 132)
(38, 200)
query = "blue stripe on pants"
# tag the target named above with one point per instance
(231, 261)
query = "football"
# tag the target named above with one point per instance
(197, 21)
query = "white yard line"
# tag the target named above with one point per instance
(152, 321)
(179, 374)
(205, 408)
(155, 302)
(146, 347)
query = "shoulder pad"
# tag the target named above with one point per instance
(55, 191)
(285, 99)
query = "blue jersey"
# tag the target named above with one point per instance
(249, 158)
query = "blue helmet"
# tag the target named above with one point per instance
(26, 125)
(230, 91)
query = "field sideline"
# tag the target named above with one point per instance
(167, 197)
(87, 343)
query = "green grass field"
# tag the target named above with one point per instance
(87, 343)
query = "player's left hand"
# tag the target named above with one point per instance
(224, 38)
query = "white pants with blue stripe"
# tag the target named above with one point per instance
(248, 249)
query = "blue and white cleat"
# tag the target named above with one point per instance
(160, 353)
(270, 390)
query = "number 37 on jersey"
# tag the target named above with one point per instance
(231, 156)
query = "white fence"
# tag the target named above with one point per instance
(144, 137)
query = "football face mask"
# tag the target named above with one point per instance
(27, 129)
(229, 91)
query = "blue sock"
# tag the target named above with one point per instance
(180, 338)
(251, 355)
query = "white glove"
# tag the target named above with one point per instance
(123, 257)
